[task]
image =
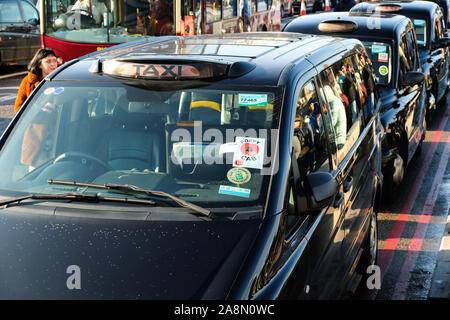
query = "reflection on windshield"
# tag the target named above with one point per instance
(108, 21)
(201, 145)
(380, 54)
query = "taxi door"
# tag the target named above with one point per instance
(411, 99)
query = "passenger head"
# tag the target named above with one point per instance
(43, 62)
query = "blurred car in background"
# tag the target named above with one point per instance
(19, 31)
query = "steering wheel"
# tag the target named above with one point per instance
(82, 157)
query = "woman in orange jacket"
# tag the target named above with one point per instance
(42, 64)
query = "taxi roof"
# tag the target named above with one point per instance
(408, 8)
(389, 24)
(269, 52)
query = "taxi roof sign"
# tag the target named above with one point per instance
(388, 8)
(170, 69)
(337, 26)
(158, 70)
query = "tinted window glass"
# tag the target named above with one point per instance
(9, 11)
(381, 56)
(364, 66)
(310, 141)
(340, 85)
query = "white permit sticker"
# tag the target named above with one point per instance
(252, 100)
(249, 152)
(383, 57)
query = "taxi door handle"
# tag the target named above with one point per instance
(338, 200)
(348, 184)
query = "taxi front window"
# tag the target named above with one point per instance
(420, 27)
(210, 146)
(380, 54)
(113, 21)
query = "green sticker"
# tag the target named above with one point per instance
(378, 49)
(239, 175)
(383, 70)
(252, 100)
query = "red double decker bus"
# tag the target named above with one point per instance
(77, 27)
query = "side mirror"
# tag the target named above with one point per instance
(321, 189)
(441, 43)
(413, 78)
(33, 21)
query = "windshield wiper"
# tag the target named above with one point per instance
(74, 196)
(134, 190)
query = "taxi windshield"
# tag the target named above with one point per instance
(381, 56)
(210, 146)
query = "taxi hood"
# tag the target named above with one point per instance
(49, 257)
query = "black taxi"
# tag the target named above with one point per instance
(390, 44)
(204, 167)
(431, 38)
(445, 8)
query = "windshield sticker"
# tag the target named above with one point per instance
(252, 100)
(49, 91)
(58, 90)
(239, 175)
(383, 70)
(234, 191)
(383, 57)
(378, 48)
(249, 152)
(419, 23)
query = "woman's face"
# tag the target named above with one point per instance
(48, 64)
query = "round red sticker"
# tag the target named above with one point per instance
(250, 149)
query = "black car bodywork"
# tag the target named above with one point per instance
(19, 31)
(445, 8)
(244, 250)
(434, 51)
(402, 106)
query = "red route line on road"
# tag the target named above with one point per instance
(388, 251)
(415, 245)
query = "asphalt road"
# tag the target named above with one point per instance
(410, 229)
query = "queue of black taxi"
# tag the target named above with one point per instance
(400, 82)
(204, 167)
(431, 38)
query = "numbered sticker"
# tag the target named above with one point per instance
(252, 100)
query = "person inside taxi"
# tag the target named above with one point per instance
(42, 64)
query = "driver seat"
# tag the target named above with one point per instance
(132, 144)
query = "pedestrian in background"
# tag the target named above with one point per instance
(42, 64)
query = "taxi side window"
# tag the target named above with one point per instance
(404, 51)
(411, 40)
(343, 94)
(368, 83)
(438, 30)
(310, 144)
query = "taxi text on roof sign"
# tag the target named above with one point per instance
(158, 71)
(152, 71)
